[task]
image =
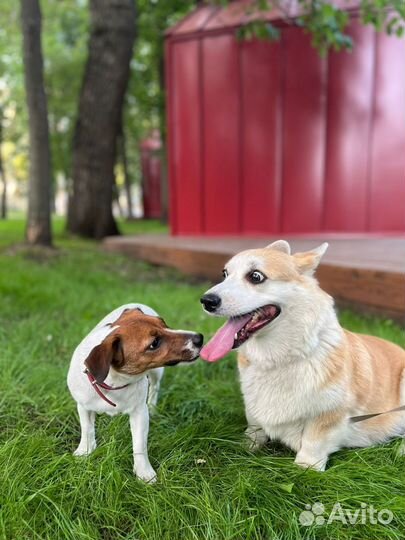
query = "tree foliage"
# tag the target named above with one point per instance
(145, 101)
(325, 21)
(64, 38)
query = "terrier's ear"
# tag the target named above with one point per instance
(280, 245)
(308, 261)
(102, 356)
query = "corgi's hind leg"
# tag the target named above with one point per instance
(154, 377)
(402, 447)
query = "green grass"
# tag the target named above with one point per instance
(48, 302)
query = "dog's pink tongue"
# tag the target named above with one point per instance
(222, 342)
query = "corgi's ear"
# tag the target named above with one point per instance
(102, 356)
(280, 245)
(308, 261)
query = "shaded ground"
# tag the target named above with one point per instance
(209, 486)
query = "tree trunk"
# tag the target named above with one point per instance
(39, 216)
(3, 203)
(164, 181)
(105, 82)
(127, 179)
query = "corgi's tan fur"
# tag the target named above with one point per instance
(303, 376)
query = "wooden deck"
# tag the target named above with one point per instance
(367, 274)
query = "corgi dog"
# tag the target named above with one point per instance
(303, 377)
(117, 369)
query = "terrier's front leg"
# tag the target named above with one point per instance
(139, 422)
(154, 378)
(88, 438)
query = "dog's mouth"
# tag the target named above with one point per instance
(237, 330)
(175, 362)
(258, 319)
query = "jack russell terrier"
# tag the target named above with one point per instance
(113, 368)
(305, 380)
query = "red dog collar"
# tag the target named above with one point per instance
(96, 385)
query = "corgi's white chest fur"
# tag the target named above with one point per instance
(282, 395)
(280, 398)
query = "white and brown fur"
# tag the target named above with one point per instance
(303, 376)
(117, 352)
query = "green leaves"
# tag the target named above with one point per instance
(64, 42)
(385, 15)
(326, 24)
(324, 21)
(259, 30)
(145, 102)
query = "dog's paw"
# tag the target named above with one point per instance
(256, 438)
(308, 462)
(254, 445)
(85, 450)
(147, 475)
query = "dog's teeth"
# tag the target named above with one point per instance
(235, 336)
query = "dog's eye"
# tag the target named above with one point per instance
(224, 273)
(256, 277)
(155, 344)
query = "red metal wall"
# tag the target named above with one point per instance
(269, 138)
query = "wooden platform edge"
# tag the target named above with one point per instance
(370, 291)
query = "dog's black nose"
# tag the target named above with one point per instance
(197, 340)
(210, 302)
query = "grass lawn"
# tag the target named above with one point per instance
(210, 486)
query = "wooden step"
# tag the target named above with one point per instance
(366, 274)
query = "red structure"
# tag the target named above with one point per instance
(151, 167)
(268, 137)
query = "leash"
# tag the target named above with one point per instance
(354, 419)
(96, 385)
